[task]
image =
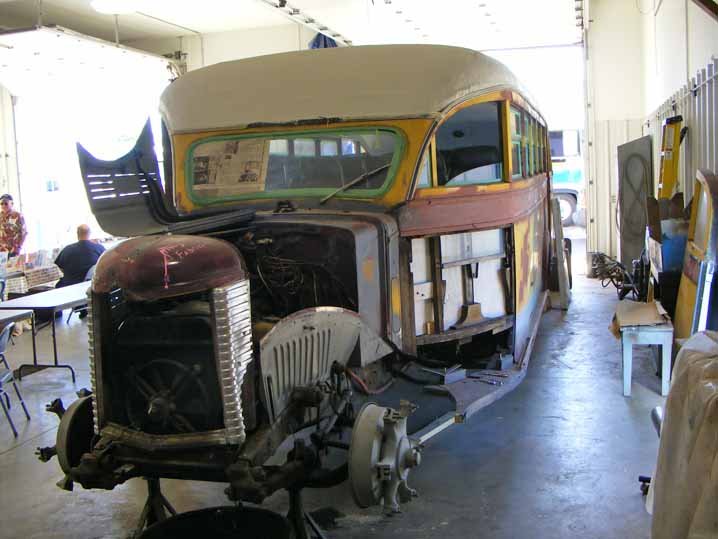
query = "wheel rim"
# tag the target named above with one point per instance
(565, 208)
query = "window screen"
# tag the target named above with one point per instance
(468, 146)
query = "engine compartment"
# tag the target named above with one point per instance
(293, 268)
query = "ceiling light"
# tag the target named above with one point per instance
(399, 12)
(115, 7)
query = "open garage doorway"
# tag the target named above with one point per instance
(69, 88)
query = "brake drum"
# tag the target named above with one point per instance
(381, 456)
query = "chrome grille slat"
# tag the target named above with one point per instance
(92, 359)
(233, 352)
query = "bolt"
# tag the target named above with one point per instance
(412, 458)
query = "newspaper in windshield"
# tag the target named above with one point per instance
(230, 167)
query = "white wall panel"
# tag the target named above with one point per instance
(225, 46)
(8, 147)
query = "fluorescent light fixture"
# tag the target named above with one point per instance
(115, 7)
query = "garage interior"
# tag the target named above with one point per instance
(565, 410)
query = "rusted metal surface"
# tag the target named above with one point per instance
(375, 247)
(541, 307)
(492, 324)
(406, 281)
(471, 394)
(156, 267)
(465, 208)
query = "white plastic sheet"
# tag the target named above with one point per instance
(685, 485)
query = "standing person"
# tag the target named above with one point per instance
(12, 227)
(76, 259)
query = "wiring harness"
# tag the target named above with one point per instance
(611, 272)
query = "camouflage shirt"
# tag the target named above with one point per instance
(12, 231)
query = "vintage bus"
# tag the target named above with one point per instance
(328, 228)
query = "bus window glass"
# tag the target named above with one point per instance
(516, 144)
(349, 147)
(424, 179)
(469, 148)
(516, 159)
(328, 148)
(528, 141)
(305, 147)
(233, 167)
(279, 147)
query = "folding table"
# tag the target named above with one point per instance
(52, 300)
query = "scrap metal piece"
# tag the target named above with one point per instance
(380, 457)
(301, 348)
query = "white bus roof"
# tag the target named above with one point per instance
(347, 83)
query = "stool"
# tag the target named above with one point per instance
(662, 335)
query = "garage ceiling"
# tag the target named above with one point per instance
(478, 24)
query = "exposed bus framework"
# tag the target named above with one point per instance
(330, 220)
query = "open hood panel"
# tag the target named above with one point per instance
(127, 198)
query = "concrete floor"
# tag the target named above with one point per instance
(556, 458)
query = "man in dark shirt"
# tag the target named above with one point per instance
(76, 259)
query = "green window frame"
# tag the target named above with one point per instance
(527, 144)
(302, 192)
(516, 144)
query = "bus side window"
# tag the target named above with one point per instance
(424, 176)
(469, 147)
(516, 142)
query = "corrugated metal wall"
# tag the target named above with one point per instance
(602, 195)
(697, 102)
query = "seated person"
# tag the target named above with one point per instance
(75, 260)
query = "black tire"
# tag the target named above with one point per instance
(570, 200)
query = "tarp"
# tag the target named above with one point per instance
(685, 485)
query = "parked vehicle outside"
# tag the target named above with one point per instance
(568, 175)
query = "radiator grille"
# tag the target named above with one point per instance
(233, 345)
(92, 358)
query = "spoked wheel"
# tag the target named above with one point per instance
(167, 396)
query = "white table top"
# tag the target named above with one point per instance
(56, 299)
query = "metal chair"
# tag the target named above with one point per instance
(6, 377)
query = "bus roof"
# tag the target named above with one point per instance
(346, 83)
